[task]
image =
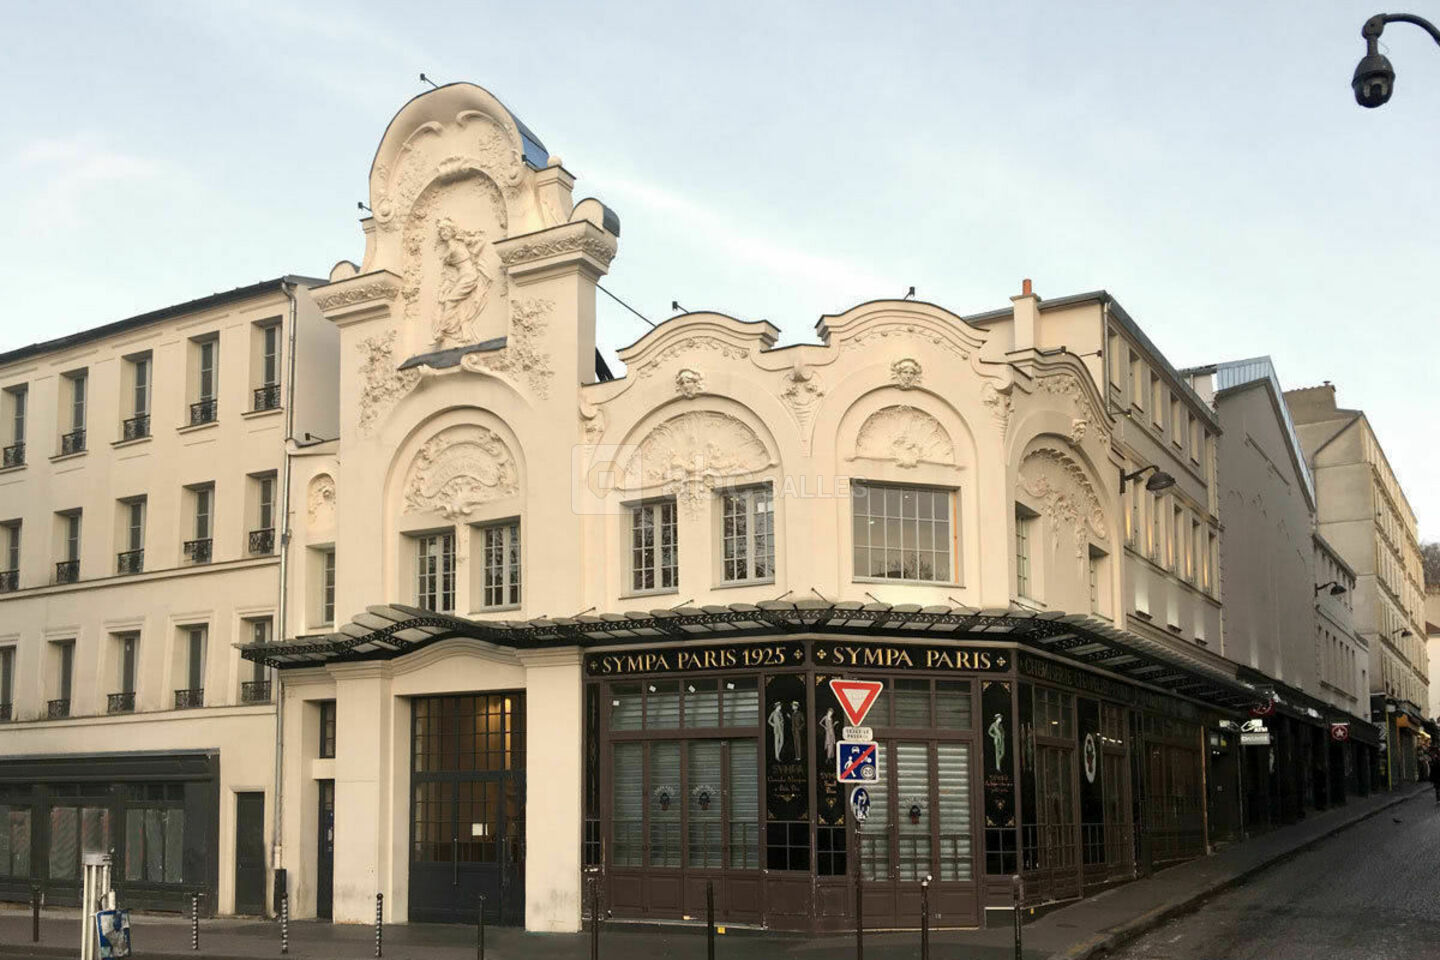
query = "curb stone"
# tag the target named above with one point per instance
(1118, 936)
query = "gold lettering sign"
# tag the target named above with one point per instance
(787, 653)
(895, 656)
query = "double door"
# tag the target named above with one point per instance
(920, 825)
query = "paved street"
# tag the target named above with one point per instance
(1369, 893)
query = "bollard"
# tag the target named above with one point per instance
(1018, 886)
(379, 917)
(594, 917)
(925, 917)
(284, 923)
(194, 921)
(709, 920)
(480, 932)
(35, 913)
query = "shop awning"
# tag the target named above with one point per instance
(388, 631)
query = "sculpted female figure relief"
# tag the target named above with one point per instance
(464, 284)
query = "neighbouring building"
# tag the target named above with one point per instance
(1364, 514)
(1432, 645)
(142, 491)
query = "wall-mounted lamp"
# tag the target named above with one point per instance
(1335, 586)
(1159, 480)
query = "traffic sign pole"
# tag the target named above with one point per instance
(859, 893)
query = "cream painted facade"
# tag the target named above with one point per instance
(1432, 645)
(139, 514)
(1364, 515)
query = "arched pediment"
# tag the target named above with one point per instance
(690, 454)
(905, 434)
(1066, 496)
(458, 469)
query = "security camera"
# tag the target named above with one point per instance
(1374, 80)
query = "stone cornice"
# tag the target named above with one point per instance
(357, 298)
(576, 242)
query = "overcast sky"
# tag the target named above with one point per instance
(1205, 163)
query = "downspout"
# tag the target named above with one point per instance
(281, 606)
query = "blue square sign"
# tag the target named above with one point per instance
(855, 762)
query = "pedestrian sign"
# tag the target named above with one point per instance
(856, 697)
(860, 804)
(855, 762)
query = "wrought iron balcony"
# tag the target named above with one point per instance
(262, 541)
(7, 711)
(131, 561)
(202, 411)
(67, 571)
(72, 442)
(198, 551)
(58, 709)
(255, 691)
(120, 703)
(189, 699)
(267, 397)
(9, 580)
(136, 427)
(15, 455)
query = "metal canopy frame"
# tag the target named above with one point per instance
(388, 631)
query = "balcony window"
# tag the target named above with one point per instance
(502, 565)
(7, 683)
(747, 535)
(18, 399)
(198, 550)
(262, 538)
(132, 558)
(10, 576)
(904, 533)
(67, 570)
(137, 373)
(73, 440)
(207, 373)
(654, 547)
(257, 688)
(267, 394)
(62, 662)
(435, 572)
(195, 641)
(123, 700)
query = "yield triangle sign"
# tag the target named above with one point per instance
(856, 697)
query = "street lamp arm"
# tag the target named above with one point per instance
(1376, 25)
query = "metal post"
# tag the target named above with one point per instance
(709, 920)
(480, 932)
(1018, 887)
(859, 894)
(35, 913)
(925, 918)
(379, 918)
(284, 923)
(594, 917)
(194, 921)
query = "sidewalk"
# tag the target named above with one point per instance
(1081, 930)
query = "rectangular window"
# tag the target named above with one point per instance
(1116, 361)
(7, 685)
(1194, 439)
(1093, 571)
(1157, 517)
(1132, 514)
(209, 349)
(1024, 519)
(747, 535)
(327, 729)
(502, 565)
(135, 524)
(195, 657)
(203, 497)
(77, 400)
(141, 398)
(1192, 556)
(1137, 381)
(435, 572)
(64, 670)
(15, 402)
(1157, 402)
(12, 553)
(129, 647)
(72, 536)
(1177, 426)
(654, 547)
(155, 834)
(202, 503)
(327, 587)
(904, 533)
(1177, 544)
(270, 355)
(266, 511)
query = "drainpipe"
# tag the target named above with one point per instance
(278, 682)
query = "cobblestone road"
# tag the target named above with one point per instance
(1369, 893)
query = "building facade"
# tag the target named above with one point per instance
(142, 492)
(1363, 513)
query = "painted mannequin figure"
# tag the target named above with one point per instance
(997, 736)
(777, 726)
(827, 724)
(797, 728)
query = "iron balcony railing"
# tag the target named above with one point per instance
(9, 580)
(131, 561)
(72, 442)
(58, 709)
(262, 541)
(267, 397)
(67, 571)
(198, 551)
(15, 455)
(202, 411)
(136, 427)
(120, 703)
(189, 699)
(255, 691)
(7, 711)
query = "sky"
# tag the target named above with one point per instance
(1205, 163)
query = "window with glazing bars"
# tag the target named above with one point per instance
(435, 572)
(1023, 520)
(327, 729)
(72, 536)
(327, 591)
(502, 565)
(77, 401)
(208, 350)
(18, 397)
(135, 526)
(202, 512)
(270, 357)
(903, 533)
(654, 552)
(142, 386)
(747, 534)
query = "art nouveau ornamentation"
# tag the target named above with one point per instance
(1000, 403)
(893, 332)
(691, 454)
(1067, 498)
(475, 142)
(381, 384)
(458, 469)
(689, 383)
(451, 273)
(907, 435)
(801, 394)
(690, 345)
(1078, 426)
(522, 356)
(464, 284)
(600, 248)
(376, 290)
(320, 501)
(592, 421)
(905, 373)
